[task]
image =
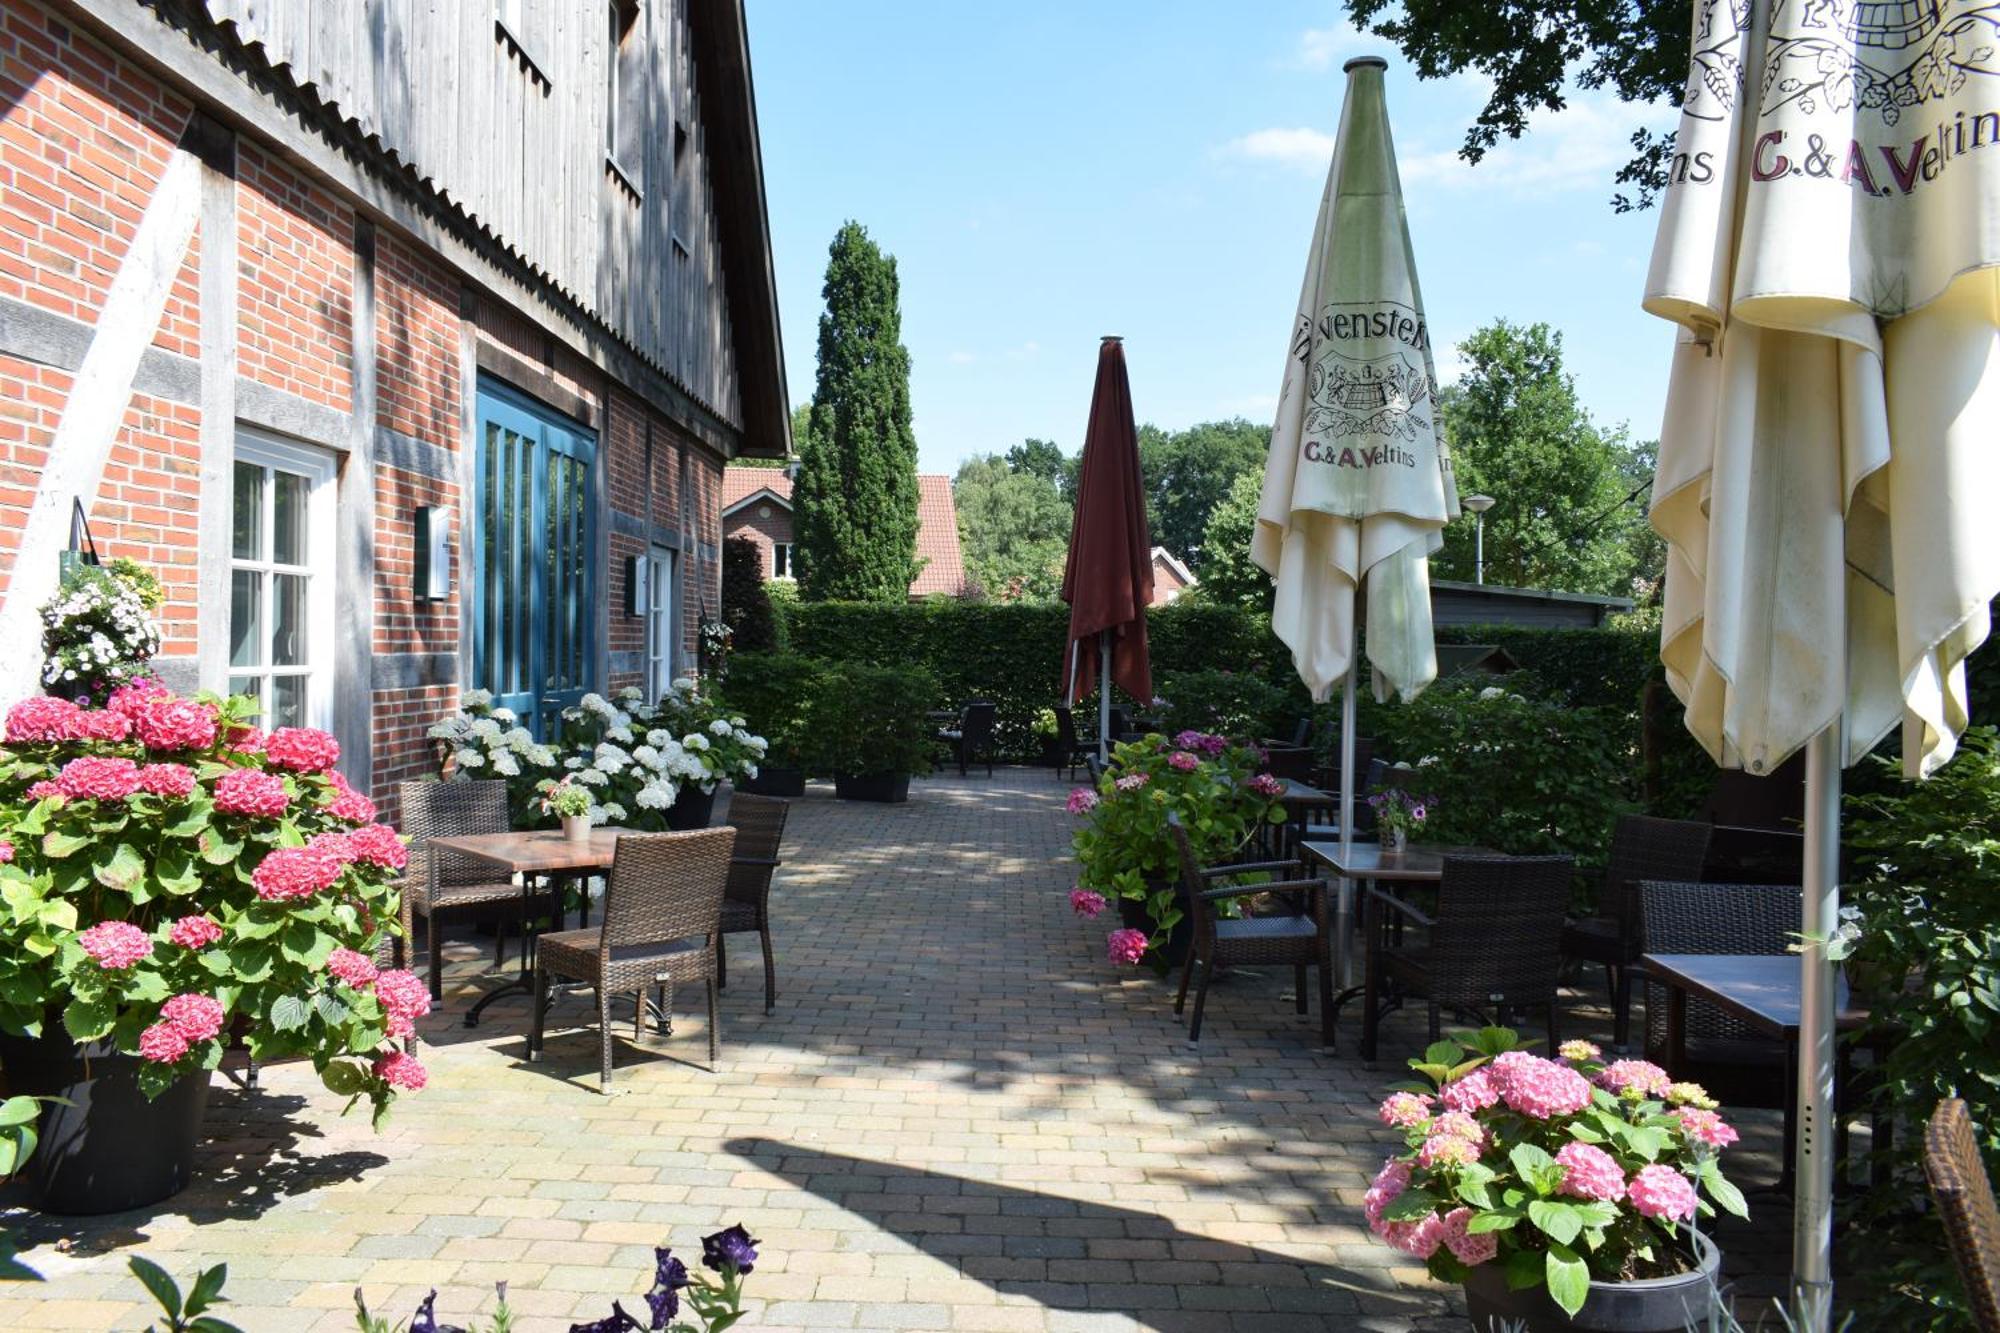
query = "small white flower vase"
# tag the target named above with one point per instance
(1399, 839)
(576, 827)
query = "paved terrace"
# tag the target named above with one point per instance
(960, 1117)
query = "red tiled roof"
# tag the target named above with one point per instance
(937, 522)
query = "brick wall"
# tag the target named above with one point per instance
(295, 282)
(752, 523)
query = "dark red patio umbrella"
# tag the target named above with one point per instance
(1108, 580)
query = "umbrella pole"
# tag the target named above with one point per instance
(1343, 917)
(1104, 697)
(1812, 1217)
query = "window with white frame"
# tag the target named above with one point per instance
(781, 560)
(662, 616)
(281, 580)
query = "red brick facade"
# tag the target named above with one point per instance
(85, 135)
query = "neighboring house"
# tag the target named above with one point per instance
(1171, 578)
(1455, 603)
(757, 503)
(286, 287)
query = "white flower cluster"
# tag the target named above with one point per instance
(97, 629)
(484, 737)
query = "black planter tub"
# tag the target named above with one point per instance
(693, 808)
(887, 788)
(1650, 1305)
(775, 782)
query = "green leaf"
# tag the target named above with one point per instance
(1410, 1206)
(344, 1078)
(331, 1011)
(19, 1111)
(1558, 1221)
(56, 844)
(207, 1288)
(1444, 1053)
(1726, 1195)
(1485, 1222)
(1535, 1167)
(163, 1287)
(1524, 1270)
(289, 1013)
(89, 1020)
(1568, 1279)
(218, 850)
(122, 870)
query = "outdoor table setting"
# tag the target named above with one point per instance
(531, 855)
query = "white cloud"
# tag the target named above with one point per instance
(1298, 148)
(1324, 48)
(1579, 147)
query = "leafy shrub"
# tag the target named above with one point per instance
(1927, 860)
(1237, 704)
(1517, 773)
(867, 719)
(773, 692)
(746, 605)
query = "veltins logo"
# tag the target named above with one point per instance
(1368, 387)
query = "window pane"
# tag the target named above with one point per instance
(288, 518)
(247, 543)
(250, 685)
(288, 620)
(288, 702)
(246, 617)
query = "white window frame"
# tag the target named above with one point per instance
(320, 470)
(786, 575)
(662, 616)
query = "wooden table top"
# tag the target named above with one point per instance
(538, 851)
(1760, 989)
(1370, 860)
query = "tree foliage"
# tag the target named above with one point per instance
(1187, 473)
(746, 606)
(1565, 513)
(1227, 572)
(1530, 50)
(1014, 520)
(855, 502)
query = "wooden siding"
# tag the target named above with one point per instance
(512, 130)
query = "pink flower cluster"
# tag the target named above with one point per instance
(302, 749)
(105, 726)
(1662, 1193)
(196, 1017)
(166, 723)
(1125, 946)
(1589, 1172)
(1634, 1079)
(401, 1070)
(1404, 1110)
(45, 791)
(130, 697)
(349, 805)
(1539, 1088)
(1183, 761)
(1473, 1092)
(1468, 1249)
(298, 872)
(98, 778)
(43, 719)
(6, 851)
(250, 791)
(1455, 1139)
(1704, 1126)
(170, 780)
(1133, 781)
(404, 999)
(194, 932)
(356, 969)
(1082, 800)
(161, 1044)
(1085, 903)
(1206, 742)
(115, 945)
(376, 845)
(1423, 1236)
(1267, 786)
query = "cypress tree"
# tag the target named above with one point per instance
(855, 503)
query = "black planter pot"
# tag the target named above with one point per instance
(1133, 913)
(692, 809)
(1052, 753)
(775, 782)
(887, 788)
(110, 1149)
(1652, 1305)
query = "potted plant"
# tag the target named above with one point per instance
(570, 802)
(868, 729)
(1398, 815)
(774, 693)
(718, 744)
(1124, 846)
(1047, 734)
(171, 876)
(485, 741)
(1562, 1194)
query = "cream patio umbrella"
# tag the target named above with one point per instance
(1827, 245)
(1358, 486)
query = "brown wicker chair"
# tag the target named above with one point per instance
(1722, 1053)
(1298, 937)
(1070, 752)
(662, 913)
(759, 822)
(1493, 947)
(464, 888)
(1965, 1201)
(1642, 848)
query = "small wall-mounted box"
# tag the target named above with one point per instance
(638, 577)
(432, 582)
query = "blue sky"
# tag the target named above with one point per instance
(1153, 171)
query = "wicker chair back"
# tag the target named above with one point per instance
(666, 886)
(1498, 937)
(1965, 1201)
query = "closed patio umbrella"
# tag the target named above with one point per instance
(1108, 576)
(1828, 245)
(1358, 485)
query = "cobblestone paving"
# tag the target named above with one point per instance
(960, 1117)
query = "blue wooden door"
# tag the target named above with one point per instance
(533, 533)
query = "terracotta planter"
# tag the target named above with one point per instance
(1653, 1305)
(693, 808)
(110, 1149)
(886, 788)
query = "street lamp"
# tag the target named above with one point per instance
(1478, 504)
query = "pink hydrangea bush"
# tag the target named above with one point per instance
(1122, 841)
(178, 880)
(1564, 1170)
